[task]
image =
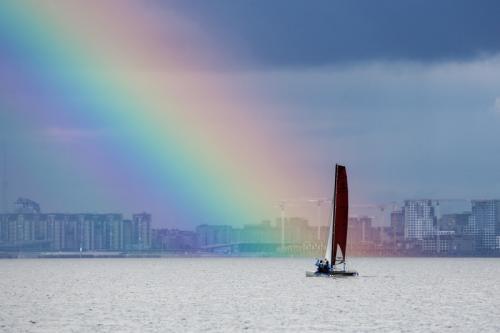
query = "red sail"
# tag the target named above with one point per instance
(340, 212)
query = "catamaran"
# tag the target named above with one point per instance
(334, 263)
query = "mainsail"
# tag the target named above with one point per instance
(338, 232)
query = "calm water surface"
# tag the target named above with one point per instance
(254, 294)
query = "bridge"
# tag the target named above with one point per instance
(247, 247)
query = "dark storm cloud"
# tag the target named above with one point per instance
(308, 33)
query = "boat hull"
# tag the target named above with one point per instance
(332, 274)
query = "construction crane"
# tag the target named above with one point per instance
(319, 202)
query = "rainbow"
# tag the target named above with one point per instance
(171, 128)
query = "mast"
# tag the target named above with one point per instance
(334, 206)
(329, 243)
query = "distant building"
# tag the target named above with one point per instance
(419, 219)
(173, 240)
(486, 220)
(363, 238)
(208, 235)
(128, 235)
(258, 233)
(141, 231)
(457, 223)
(296, 230)
(440, 243)
(27, 206)
(456, 230)
(362, 231)
(29, 229)
(397, 225)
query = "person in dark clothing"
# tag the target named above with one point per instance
(322, 266)
(326, 266)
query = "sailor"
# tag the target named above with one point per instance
(322, 265)
(319, 264)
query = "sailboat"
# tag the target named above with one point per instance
(334, 263)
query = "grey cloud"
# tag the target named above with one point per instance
(406, 129)
(497, 104)
(285, 33)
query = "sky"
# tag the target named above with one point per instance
(268, 96)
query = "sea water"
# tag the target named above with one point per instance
(248, 294)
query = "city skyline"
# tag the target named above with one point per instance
(316, 209)
(413, 228)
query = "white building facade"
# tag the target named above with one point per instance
(419, 219)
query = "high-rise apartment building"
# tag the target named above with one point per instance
(486, 220)
(74, 232)
(397, 225)
(419, 219)
(141, 231)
